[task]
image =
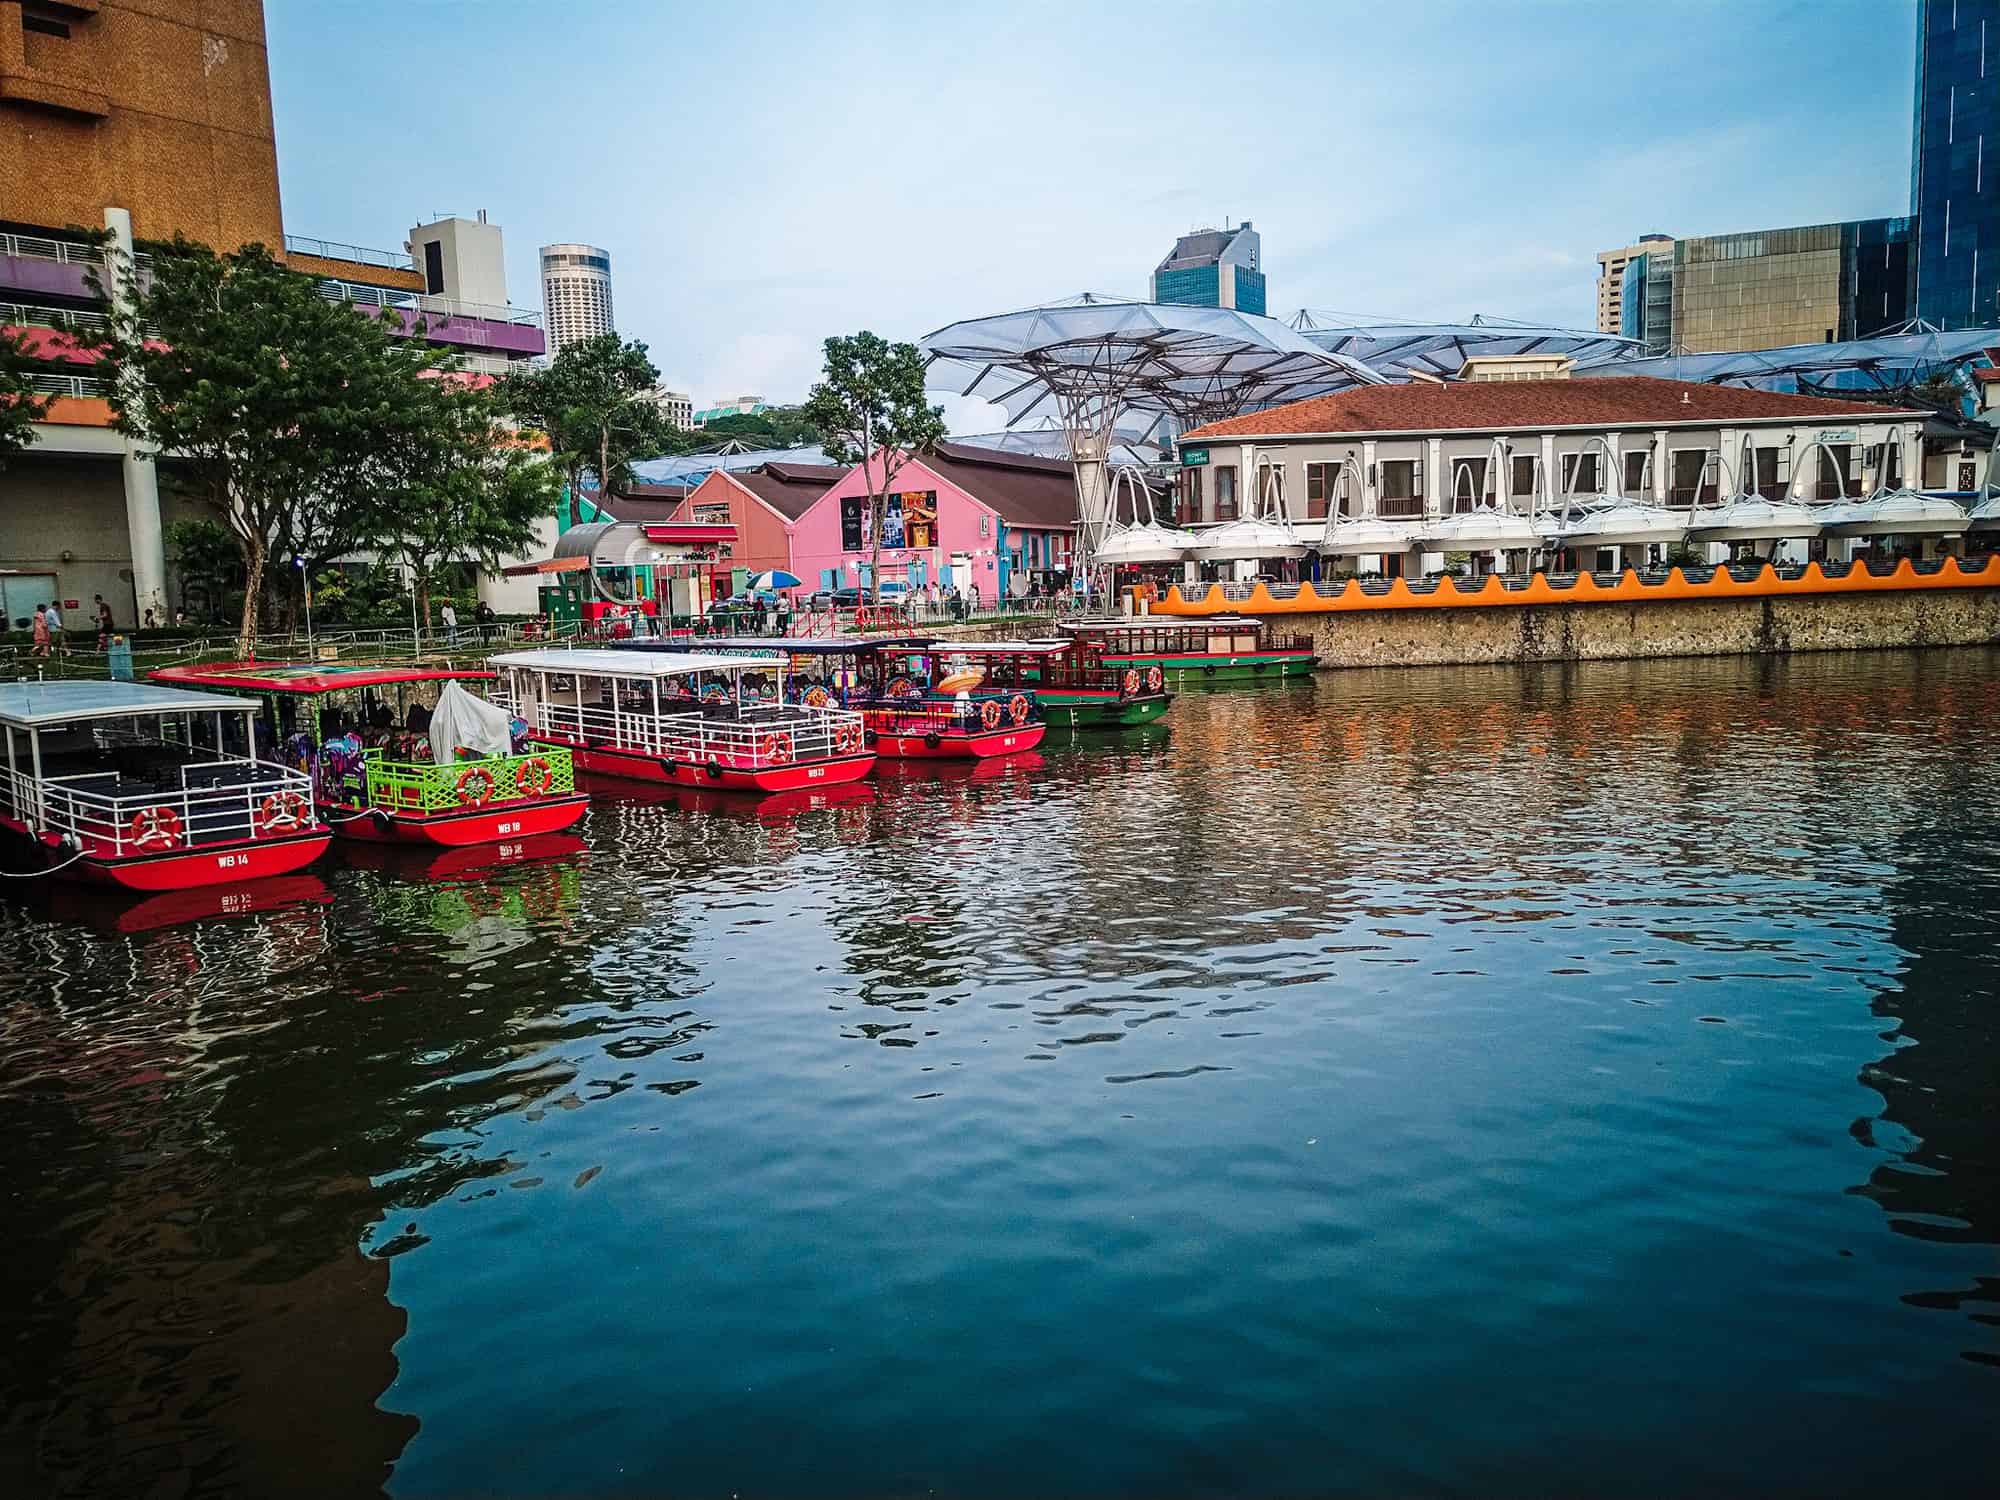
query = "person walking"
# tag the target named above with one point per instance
(450, 618)
(55, 628)
(104, 626)
(41, 630)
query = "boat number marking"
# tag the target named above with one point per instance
(507, 828)
(230, 861)
(815, 773)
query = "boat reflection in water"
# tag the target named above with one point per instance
(106, 912)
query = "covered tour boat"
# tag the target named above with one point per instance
(1070, 688)
(916, 698)
(693, 719)
(1191, 649)
(403, 755)
(148, 788)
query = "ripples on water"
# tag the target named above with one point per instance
(1431, 1082)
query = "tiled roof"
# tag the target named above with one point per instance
(789, 489)
(1485, 406)
(1022, 488)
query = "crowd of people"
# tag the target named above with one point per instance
(46, 624)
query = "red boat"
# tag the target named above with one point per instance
(719, 722)
(148, 788)
(371, 740)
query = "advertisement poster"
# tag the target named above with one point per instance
(918, 511)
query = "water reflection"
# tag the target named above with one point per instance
(1338, 1055)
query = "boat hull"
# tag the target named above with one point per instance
(960, 744)
(639, 765)
(185, 868)
(1085, 709)
(459, 828)
(1199, 667)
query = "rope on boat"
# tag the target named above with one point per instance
(45, 870)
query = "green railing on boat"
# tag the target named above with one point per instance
(419, 786)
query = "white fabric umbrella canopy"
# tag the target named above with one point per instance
(1895, 513)
(1751, 518)
(1365, 536)
(1985, 516)
(1483, 530)
(1147, 543)
(1248, 538)
(1621, 524)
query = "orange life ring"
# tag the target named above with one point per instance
(777, 747)
(1131, 681)
(816, 697)
(281, 812)
(466, 796)
(1154, 678)
(155, 828)
(533, 778)
(847, 738)
(1017, 708)
(989, 713)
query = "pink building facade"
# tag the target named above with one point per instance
(936, 532)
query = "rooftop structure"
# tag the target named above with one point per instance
(1214, 268)
(1400, 350)
(1612, 268)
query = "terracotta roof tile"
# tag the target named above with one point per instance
(789, 489)
(1485, 406)
(1024, 489)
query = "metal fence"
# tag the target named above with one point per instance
(112, 815)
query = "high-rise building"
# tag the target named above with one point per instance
(1214, 268)
(1611, 268)
(1956, 275)
(576, 294)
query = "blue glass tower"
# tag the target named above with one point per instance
(1955, 271)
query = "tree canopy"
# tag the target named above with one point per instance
(20, 405)
(870, 408)
(595, 402)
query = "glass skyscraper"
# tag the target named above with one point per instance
(1955, 275)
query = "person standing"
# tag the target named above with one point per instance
(450, 618)
(41, 630)
(104, 626)
(55, 628)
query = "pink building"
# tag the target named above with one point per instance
(970, 517)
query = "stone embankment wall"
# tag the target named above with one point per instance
(1602, 632)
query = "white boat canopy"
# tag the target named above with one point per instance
(646, 664)
(34, 705)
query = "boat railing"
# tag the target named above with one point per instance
(928, 715)
(116, 816)
(430, 786)
(750, 735)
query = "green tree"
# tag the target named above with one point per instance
(206, 559)
(460, 487)
(20, 405)
(870, 409)
(594, 401)
(273, 401)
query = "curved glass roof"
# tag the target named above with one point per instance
(1886, 361)
(1399, 349)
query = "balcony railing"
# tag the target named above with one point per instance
(68, 385)
(40, 247)
(361, 255)
(363, 295)
(23, 315)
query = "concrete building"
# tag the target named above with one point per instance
(149, 120)
(676, 406)
(1956, 267)
(1404, 459)
(463, 259)
(1214, 268)
(1611, 268)
(576, 294)
(736, 406)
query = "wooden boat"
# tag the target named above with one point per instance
(384, 784)
(1194, 649)
(897, 684)
(692, 719)
(1070, 687)
(148, 788)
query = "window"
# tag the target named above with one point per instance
(1324, 489)
(433, 267)
(1191, 495)
(1835, 462)
(1270, 488)
(1470, 483)
(1402, 489)
(1580, 474)
(1764, 466)
(45, 25)
(1225, 492)
(1525, 470)
(1693, 476)
(1637, 467)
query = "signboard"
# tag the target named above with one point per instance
(1193, 458)
(1839, 435)
(908, 520)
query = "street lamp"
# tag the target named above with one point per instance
(305, 585)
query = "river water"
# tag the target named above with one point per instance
(1477, 1082)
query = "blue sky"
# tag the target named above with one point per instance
(765, 174)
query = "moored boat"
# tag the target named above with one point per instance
(691, 719)
(1192, 649)
(148, 788)
(393, 768)
(915, 701)
(1068, 687)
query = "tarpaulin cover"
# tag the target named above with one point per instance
(461, 721)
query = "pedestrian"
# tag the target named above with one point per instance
(975, 597)
(103, 623)
(180, 617)
(151, 623)
(450, 617)
(55, 627)
(41, 630)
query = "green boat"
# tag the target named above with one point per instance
(1068, 689)
(1196, 649)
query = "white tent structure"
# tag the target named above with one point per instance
(1743, 515)
(1482, 519)
(1140, 541)
(1267, 533)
